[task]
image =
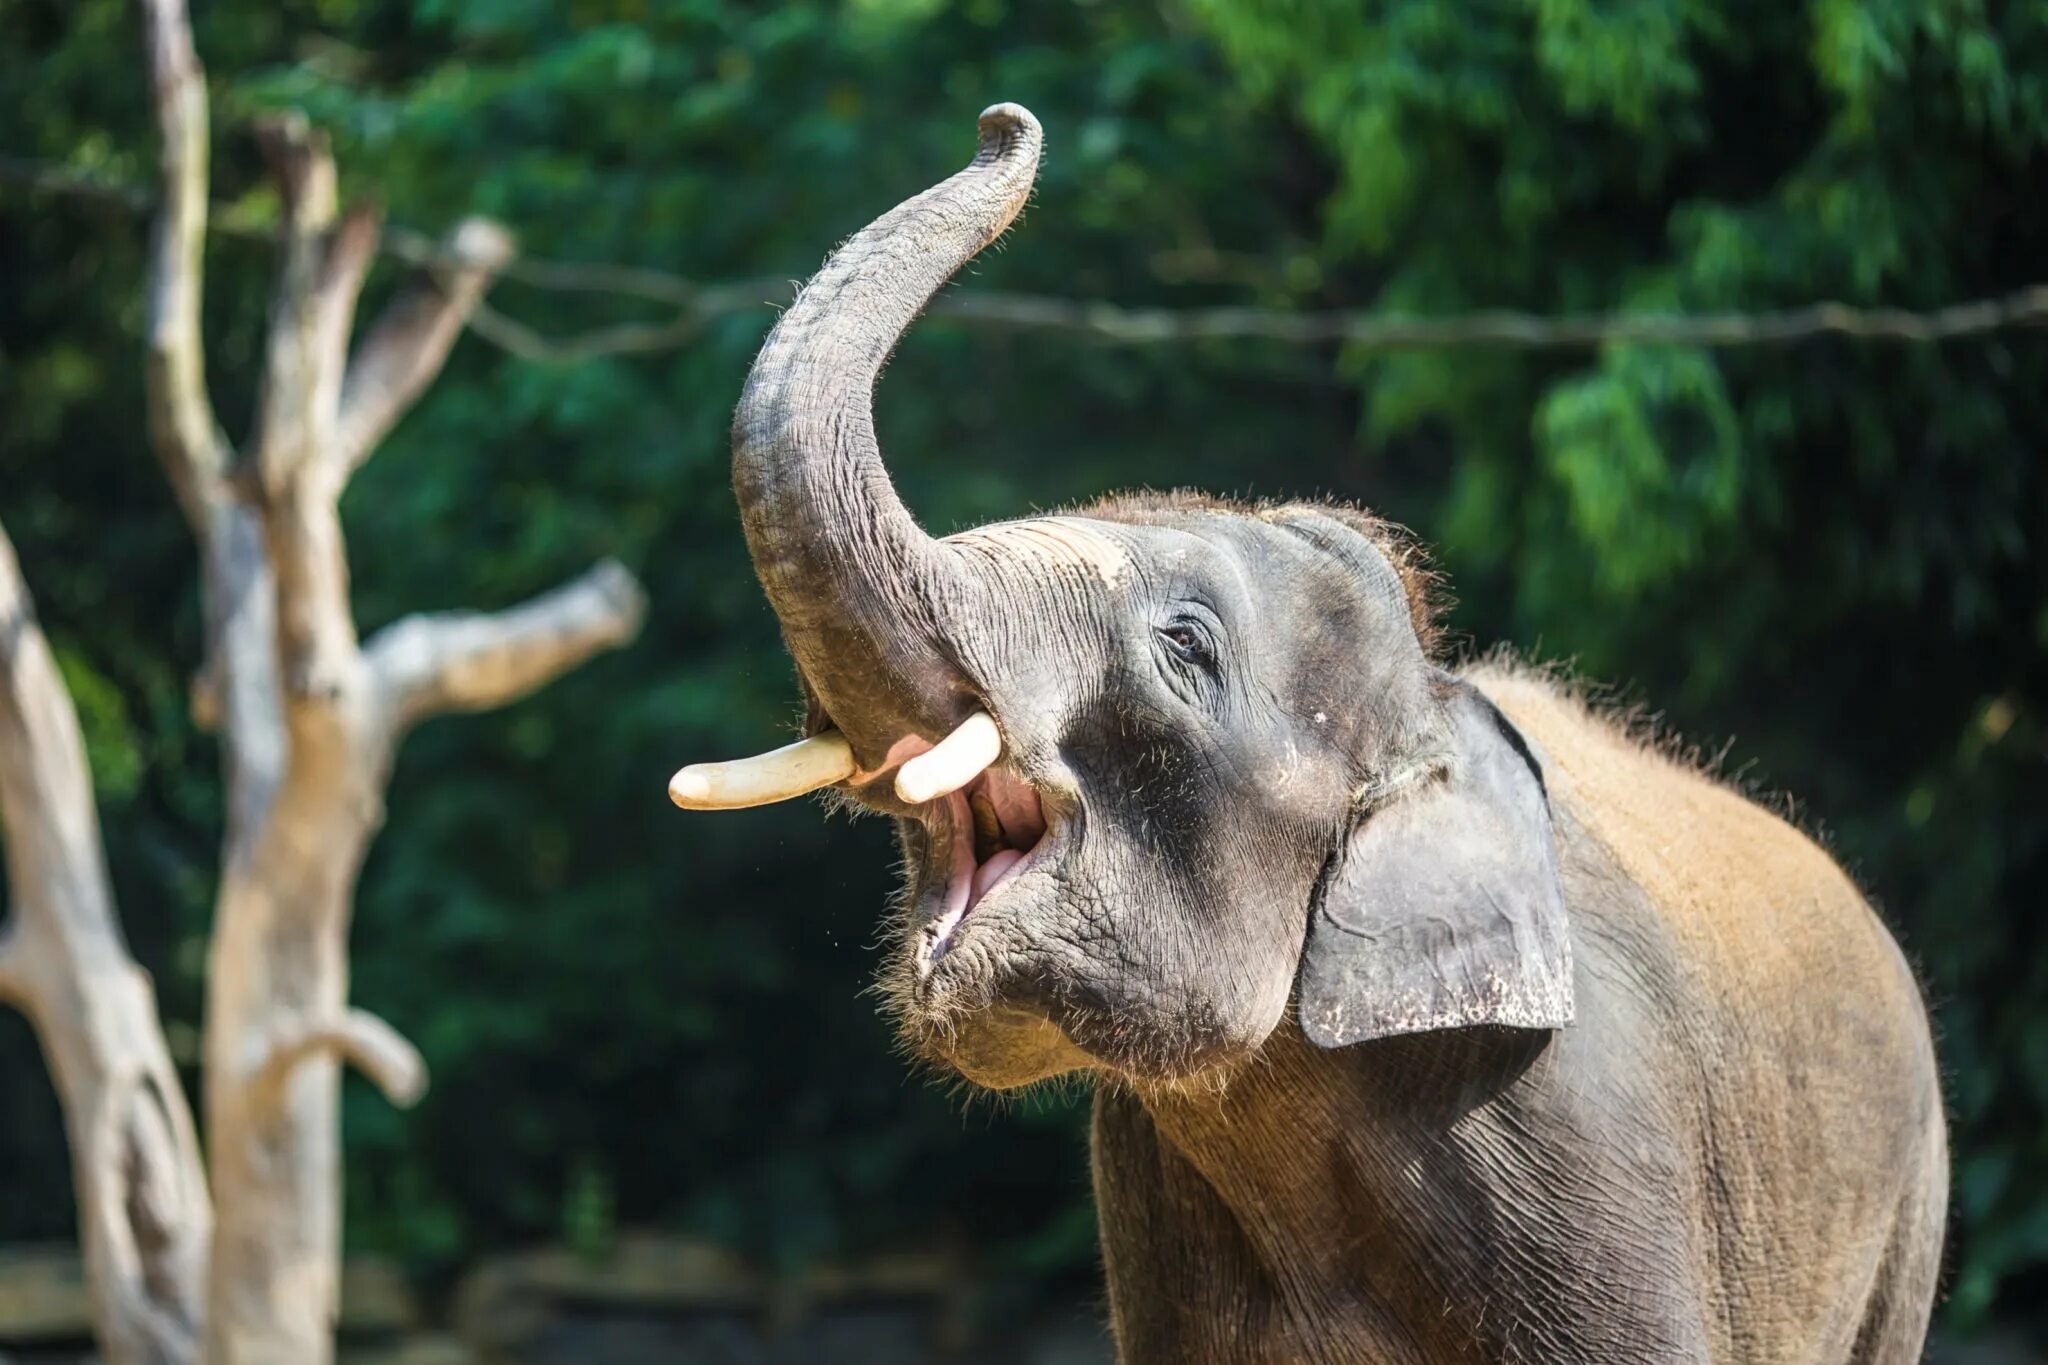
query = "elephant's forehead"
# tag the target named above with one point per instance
(1058, 542)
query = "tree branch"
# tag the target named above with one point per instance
(294, 479)
(56, 870)
(13, 977)
(316, 631)
(142, 1200)
(409, 344)
(468, 661)
(1487, 328)
(359, 1038)
(186, 435)
(238, 689)
(1112, 324)
(695, 303)
(295, 416)
(339, 286)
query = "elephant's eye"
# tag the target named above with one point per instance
(1188, 642)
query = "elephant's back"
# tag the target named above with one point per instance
(1765, 920)
(1810, 1089)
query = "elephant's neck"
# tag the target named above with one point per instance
(1336, 1173)
(1272, 1142)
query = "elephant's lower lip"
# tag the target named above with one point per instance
(998, 815)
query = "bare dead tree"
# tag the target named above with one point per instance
(142, 1207)
(310, 718)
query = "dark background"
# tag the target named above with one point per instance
(1827, 556)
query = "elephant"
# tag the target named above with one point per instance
(1432, 1014)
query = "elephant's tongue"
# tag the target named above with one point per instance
(1008, 823)
(990, 872)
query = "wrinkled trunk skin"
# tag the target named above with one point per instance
(862, 593)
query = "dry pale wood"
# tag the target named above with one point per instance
(366, 1042)
(296, 489)
(342, 272)
(183, 429)
(411, 341)
(240, 604)
(195, 454)
(301, 376)
(141, 1191)
(426, 665)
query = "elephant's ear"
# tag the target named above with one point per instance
(1443, 909)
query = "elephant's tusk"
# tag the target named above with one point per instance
(776, 775)
(952, 763)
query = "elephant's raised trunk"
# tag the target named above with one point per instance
(861, 590)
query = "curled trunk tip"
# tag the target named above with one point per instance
(1007, 129)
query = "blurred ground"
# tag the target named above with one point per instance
(656, 1301)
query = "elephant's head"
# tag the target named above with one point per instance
(1153, 762)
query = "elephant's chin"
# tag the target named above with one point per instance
(1003, 1048)
(1003, 1042)
(958, 984)
(1007, 1007)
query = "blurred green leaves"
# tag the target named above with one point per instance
(111, 746)
(1648, 452)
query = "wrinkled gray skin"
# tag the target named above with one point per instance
(1433, 1020)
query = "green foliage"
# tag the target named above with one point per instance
(589, 1212)
(110, 747)
(1831, 552)
(1648, 455)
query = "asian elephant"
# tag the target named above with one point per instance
(1434, 1017)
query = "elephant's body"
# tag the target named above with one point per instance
(1736, 1153)
(1434, 1018)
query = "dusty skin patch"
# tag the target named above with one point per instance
(1052, 540)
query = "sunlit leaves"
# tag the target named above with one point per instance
(1649, 455)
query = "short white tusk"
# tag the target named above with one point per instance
(776, 775)
(952, 763)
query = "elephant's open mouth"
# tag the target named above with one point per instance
(995, 828)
